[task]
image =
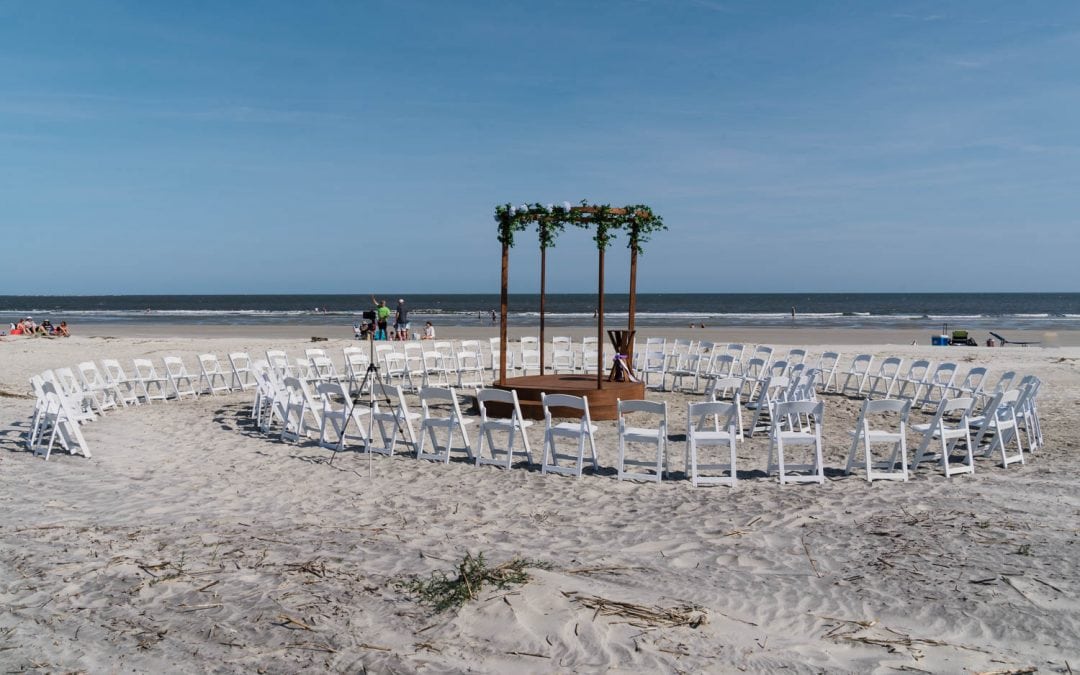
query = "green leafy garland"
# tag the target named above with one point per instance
(638, 220)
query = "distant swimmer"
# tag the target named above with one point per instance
(792, 313)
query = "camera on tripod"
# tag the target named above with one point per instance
(369, 315)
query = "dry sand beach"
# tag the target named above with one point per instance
(191, 542)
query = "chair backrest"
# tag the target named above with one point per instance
(210, 364)
(796, 355)
(69, 384)
(1004, 382)
(828, 361)
(973, 380)
(562, 343)
(442, 396)
(917, 370)
(114, 372)
(724, 416)
(886, 405)
(890, 367)
(722, 365)
(861, 363)
(791, 409)
(144, 369)
(565, 401)
(641, 406)
(313, 352)
(722, 385)
(90, 375)
(174, 366)
(944, 374)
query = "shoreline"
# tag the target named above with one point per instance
(792, 335)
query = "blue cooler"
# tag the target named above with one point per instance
(939, 340)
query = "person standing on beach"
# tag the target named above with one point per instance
(401, 320)
(382, 315)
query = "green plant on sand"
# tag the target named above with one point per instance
(442, 592)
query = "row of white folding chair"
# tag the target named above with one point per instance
(953, 422)
(56, 418)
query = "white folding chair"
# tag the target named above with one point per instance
(726, 390)
(356, 365)
(530, 355)
(513, 426)
(883, 380)
(581, 430)
(653, 361)
(119, 381)
(881, 422)
(154, 387)
(279, 361)
(999, 424)
(393, 418)
(712, 423)
(182, 383)
(562, 355)
(856, 375)
(590, 355)
(787, 431)
(937, 386)
(212, 378)
(86, 401)
(771, 393)
(971, 384)
(59, 420)
(242, 377)
(949, 427)
(303, 417)
(469, 365)
(434, 400)
(339, 414)
(827, 366)
(94, 381)
(636, 433)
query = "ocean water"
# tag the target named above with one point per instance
(989, 311)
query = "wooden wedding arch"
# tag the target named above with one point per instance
(638, 222)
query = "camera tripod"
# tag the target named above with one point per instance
(371, 377)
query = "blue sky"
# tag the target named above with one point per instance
(294, 147)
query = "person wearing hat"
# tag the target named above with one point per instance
(401, 321)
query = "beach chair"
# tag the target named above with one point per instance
(513, 426)
(1028, 408)
(652, 361)
(654, 435)
(212, 378)
(434, 400)
(242, 377)
(712, 423)
(881, 422)
(786, 431)
(796, 356)
(737, 352)
(580, 430)
(323, 369)
(182, 383)
(393, 417)
(494, 356)
(949, 426)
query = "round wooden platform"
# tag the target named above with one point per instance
(602, 402)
